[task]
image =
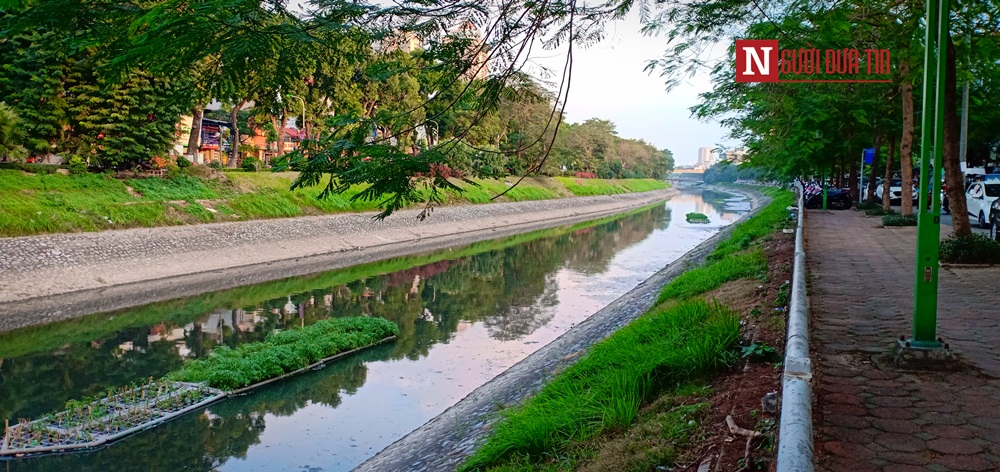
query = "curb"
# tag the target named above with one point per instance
(795, 441)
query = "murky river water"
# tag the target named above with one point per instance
(465, 315)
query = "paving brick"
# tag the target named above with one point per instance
(900, 442)
(926, 421)
(895, 426)
(977, 462)
(954, 446)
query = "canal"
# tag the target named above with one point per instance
(465, 315)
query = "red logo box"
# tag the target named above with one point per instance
(757, 60)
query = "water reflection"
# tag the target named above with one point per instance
(462, 321)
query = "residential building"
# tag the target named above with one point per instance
(736, 156)
(706, 158)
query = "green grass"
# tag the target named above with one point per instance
(283, 352)
(178, 188)
(712, 275)
(55, 203)
(604, 390)
(770, 218)
(589, 187)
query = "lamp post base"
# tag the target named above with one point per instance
(923, 355)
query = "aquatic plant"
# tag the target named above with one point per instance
(284, 352)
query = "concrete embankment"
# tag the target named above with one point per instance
(444, 442)
(55, 277)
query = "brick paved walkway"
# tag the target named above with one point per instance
(870, 416)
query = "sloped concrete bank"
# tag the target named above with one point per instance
(54, 277)
(443, 442)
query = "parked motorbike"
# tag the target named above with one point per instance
(836, 198)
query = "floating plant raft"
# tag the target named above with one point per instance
(696, 218)
(93, 423)
(118, 414)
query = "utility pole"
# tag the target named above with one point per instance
(932, 151)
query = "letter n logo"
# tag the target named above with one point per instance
(756, 60)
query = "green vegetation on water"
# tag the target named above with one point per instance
(55, 203)
(681, 339)
(283, 352)
(696, 218)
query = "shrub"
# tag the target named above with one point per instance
(867, 205)
(878, 211)
(183, 163)
(76, 165)
(895, 219)
(251, 164)
(971, 249)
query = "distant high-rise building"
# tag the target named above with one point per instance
(706, 158)
(406, 41)
(477, 51)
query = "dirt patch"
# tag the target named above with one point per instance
(740, 392)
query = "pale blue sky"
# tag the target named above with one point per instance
(609, 83)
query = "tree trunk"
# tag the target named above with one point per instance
(280, 127)
(870, 191)
(952, 167)
(195, 138)
(234, 144)
(852, 182)
(906, 142)
(887, 180)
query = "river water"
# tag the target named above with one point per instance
(465, 315)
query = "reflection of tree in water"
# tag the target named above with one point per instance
(510, 290)
(590, 250)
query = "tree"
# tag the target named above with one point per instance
(11, 134)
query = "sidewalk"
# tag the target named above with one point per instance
(868, 415)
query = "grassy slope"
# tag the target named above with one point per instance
(54, 203)
(655, 357)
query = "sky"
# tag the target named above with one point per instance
(609, 83)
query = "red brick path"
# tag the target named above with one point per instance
(870, 416)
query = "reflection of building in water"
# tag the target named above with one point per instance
(213, 326)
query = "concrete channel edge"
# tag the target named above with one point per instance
(795, 438)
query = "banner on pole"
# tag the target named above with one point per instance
(869, 155)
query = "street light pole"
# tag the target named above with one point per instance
(302, 125)
(925, 293)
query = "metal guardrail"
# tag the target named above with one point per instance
(795, 439)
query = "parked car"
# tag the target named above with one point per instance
(895, 192)
(979, 197)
